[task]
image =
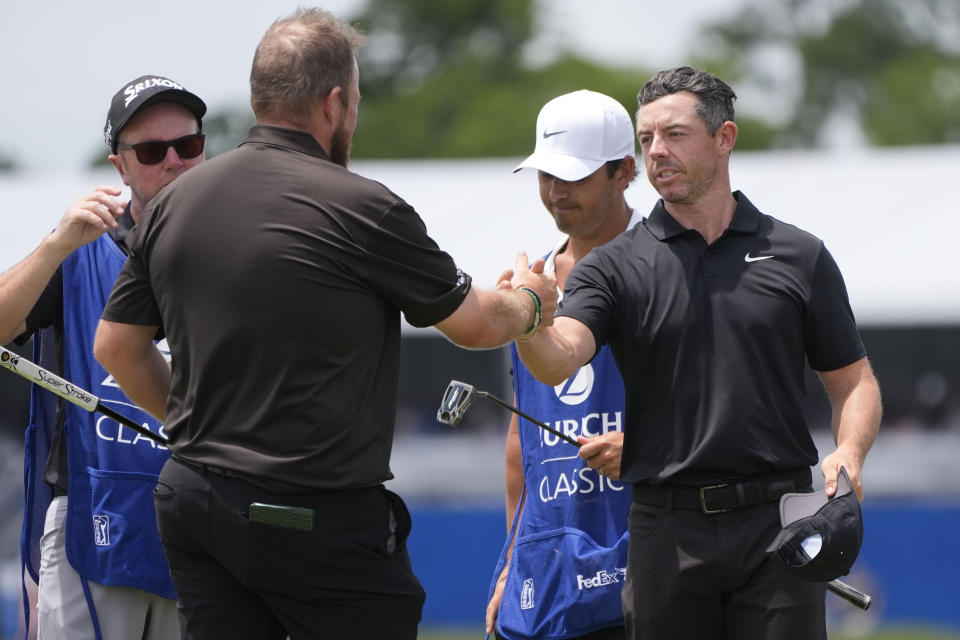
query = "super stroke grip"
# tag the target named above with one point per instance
(69, 391)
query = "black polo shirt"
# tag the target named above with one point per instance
(279, 278)
(711, 341)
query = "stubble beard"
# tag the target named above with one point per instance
(690, 193)
(340, 145)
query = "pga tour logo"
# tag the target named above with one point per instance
(577, 388)
(526, 594)
(601, 579)
(101, 530)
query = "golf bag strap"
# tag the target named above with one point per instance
(91, 607)
(26, 598)
(510, 544)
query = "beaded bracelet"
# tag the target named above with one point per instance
(537, 310)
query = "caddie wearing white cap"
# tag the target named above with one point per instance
(562, 567)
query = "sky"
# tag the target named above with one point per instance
(63, 62)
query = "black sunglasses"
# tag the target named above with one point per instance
(154, 151)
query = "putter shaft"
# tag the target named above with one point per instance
(523, 415)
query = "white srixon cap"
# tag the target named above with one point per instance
(577, 133)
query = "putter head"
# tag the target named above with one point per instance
(456, 400)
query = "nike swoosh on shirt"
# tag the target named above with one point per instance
(749, 258)
(547, 134)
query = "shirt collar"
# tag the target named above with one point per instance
(746, 219)
(124, 226)
(288, 138)
(550, 258)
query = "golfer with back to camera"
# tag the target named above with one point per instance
(279, 277)
(710, 308)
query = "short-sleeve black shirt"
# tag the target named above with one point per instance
(711, 341)
(279, 278)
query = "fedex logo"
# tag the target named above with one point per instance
(602, 579)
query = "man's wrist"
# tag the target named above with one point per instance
(537, 310)
(52, 252)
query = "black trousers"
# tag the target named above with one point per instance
(697, 576)
(350, 577)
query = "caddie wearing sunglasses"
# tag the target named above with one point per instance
(154, 133)
(101, 569)
(154, 151)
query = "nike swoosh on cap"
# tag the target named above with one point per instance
(547, 134)
(749, 258)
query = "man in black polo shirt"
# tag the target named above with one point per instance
(279, 277)
(710, 308)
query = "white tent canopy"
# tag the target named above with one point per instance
(861, 203)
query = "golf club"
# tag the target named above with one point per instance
(459, 396)
(69, 391)
(854, 596)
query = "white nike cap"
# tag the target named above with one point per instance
(577, 133)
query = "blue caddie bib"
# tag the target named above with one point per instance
(570, 556)
(112, 534)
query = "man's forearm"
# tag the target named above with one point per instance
(149, 388)
(22, 285)
(514, 470)
(556, 352)
(490, 318)
(127, 352)
(855, 398)
(508, 313)
(524, 300)
(856, 420)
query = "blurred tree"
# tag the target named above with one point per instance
(225, 129)
(478, 110)
(446, 80)
(410, 40)
(7, 163)
(892, 68)
(98, 158)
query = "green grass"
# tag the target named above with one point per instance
(450, 634)
(884, 634)
(898, 633)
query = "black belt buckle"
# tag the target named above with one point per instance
(703, 498)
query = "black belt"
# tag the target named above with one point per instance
(726, 496)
